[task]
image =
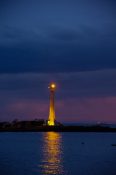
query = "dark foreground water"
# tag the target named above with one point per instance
(57, 153)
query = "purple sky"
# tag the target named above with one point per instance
(81, 96)
(70, 42)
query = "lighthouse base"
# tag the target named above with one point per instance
(50, 123)
(54, 123)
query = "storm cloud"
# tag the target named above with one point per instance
(67, 36)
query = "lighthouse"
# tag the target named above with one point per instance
(51, 118)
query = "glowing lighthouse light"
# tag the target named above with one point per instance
(51, 118)
(52, 85)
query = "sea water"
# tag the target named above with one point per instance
(53, 153)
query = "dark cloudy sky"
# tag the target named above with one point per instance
(71, 42)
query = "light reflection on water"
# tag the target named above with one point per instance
(52, 162)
